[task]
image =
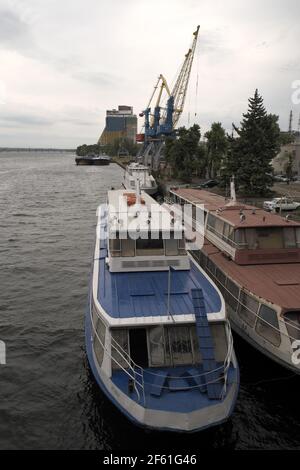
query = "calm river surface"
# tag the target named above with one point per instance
(48, 398)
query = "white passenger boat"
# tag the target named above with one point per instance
(135, 172)
(158, 340)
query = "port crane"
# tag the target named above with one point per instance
(162, 120)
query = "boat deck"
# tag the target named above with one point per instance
(144, 294)
(172, 397)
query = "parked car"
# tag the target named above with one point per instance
(281, 179)
(281, 203)
(209, 184)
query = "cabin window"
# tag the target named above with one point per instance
(228, 233)
(181, 246)
(218, 333)
(202, 259)
(292, 320)
(156, 342)
(171, 245)
(211, 221)
(127, 247)
(251, 238)
(289, 235)
(149, 246)
(267, 325)
(231, 294)
(99, 340)
(248, 307)
(269, 238)
(240, 238)
(119, 348)
(180, 345)
(211, 266)
(220, 277)
(298, 237)
(115, 246)
(197, 358)
(219, 227)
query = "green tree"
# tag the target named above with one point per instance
(216, 148)
(251, 153)
(185, 155)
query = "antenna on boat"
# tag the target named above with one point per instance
(138, 191)
(232, 201)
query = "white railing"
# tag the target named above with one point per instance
(136, 373)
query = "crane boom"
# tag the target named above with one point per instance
(180, 88)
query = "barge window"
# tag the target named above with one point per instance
(289, 236)
(156, 341)
(211, 221)
(269, 237)
(248, 307)
(119, 350)
(251, 238)
(127, 247)
(232, 294)
(211, 266)
(292, 320)
(197, 358)
(171, 245)
(240, 238)
(181, 246)
(149, 246)
(267, 325)
(228, 233)
(219, 337)
(180, 344)
(99, 345)
(220, 277)
(115, 246)
(298, 237)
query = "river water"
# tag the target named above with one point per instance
(48, 397)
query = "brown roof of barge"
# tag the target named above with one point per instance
(254, 217)
(277, 283)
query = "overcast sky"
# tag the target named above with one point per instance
(64, 62)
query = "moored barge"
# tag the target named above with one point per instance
(254, 258)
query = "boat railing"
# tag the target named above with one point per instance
(136, 370)
(219, 373)
(240, 303)
(137, 374)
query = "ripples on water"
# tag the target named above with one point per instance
(48, 398)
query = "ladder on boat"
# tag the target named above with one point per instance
(213, 374)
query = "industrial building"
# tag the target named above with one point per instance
(120, 123)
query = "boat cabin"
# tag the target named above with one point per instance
(246, 234)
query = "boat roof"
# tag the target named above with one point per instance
(217, 204)
(277, 283)
(144, 294)
(147, 215)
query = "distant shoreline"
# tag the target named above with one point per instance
(20, 149)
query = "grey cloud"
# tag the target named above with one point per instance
(14, 32)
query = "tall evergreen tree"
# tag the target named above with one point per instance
(252, 151)
(216, 148)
